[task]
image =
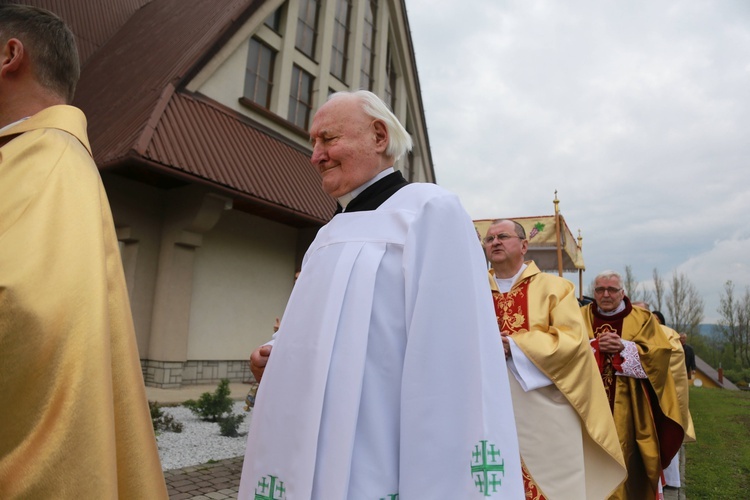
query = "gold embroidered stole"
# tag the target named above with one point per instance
(605, 361)
(512, 308)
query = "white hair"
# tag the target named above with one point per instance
(399, 140)
(608, 274)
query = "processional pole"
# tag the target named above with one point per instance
(557, 235)
(580, 271)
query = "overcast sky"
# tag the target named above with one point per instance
(637, 113)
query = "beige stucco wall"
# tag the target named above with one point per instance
(244, 273)
(138, 214)
(227, 84)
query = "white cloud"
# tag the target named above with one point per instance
(726, 260)
(637, 113)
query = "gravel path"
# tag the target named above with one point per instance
(199, 441)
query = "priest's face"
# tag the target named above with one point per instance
(608, 293)
(504, 248)
(348, 145)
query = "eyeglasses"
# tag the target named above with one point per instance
(502, 237)
(601, 289)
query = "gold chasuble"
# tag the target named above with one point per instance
(679, 374)
(74, 420)
(566, 434)
(646, 411)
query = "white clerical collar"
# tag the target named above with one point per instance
(348, 197)
(10, 125)
(505, 284)
(619, 309)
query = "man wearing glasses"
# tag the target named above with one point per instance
(566, 435)
(633, 355)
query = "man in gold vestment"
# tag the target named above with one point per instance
(680, 375)
(566, 434)
(74, 420)
(634, 357)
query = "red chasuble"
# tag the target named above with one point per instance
(649, 438)
(609, 363)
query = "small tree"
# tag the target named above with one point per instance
(228, 425)
(658, 290)
(211, 407)
(217, 407)
(162, 421)
(744, 319)
(630, 284)
(590, 289)
(684, 304)
(734, 322)
(633, 289)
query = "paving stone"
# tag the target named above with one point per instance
(181, 482)
(180, 496)
(188, 487)
(217, 481)
(220, 481)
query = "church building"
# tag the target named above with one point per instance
(198, 115)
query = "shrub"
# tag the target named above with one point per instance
(211, 407)
(738, 375)
(228, 425)
(162, 421)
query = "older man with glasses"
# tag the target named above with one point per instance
(633, 355)
(566, 434)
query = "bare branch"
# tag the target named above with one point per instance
(684, 304)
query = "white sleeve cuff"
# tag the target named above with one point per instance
(528, 375)
(631, 365)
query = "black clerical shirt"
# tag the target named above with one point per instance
(374, 196)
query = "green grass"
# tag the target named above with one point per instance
(718, 464)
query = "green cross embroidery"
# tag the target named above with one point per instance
(270, 491)
(485, 466)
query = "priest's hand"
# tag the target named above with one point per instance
(258, 361)
(506, 343)
(610, 343)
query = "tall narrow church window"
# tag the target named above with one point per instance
(259, 73)
(391, 79)
(274, 20)
(409, 166)
(368, 46)
(340, 46)
(300, 97)
(307, 27)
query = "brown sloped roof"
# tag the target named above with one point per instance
(93, 22)
(136, 55)
(207, 140)
(709, 372)
(121, 84)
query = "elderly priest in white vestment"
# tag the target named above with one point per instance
(387, 377)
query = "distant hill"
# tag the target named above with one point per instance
(709, 330)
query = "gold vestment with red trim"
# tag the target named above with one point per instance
(541, 314)
(647, 408)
